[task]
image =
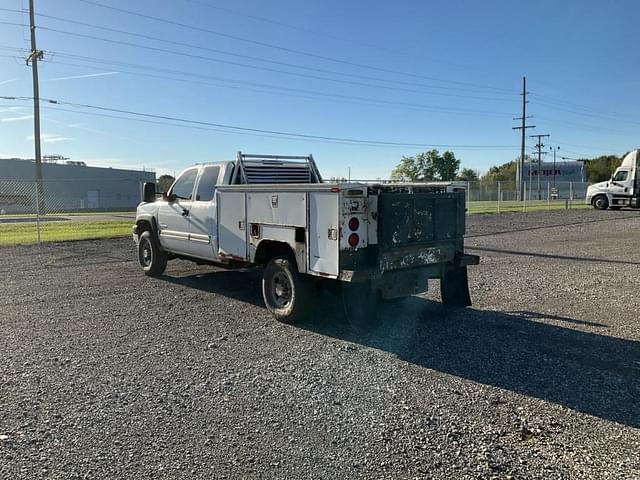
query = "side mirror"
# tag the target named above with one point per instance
(168, 197)
(149, 192)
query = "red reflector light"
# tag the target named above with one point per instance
(458, 189)
(354, 223)
(335, 189)
(354, 239)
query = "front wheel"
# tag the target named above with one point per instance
(151, 258)
(287, 295)
(600, 202)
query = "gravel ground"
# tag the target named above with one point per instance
(108, 374)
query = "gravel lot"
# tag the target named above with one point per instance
(108, 374)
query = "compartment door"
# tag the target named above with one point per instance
(232, 226)
(324, 233)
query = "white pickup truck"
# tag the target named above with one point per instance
(386, 240)
(622, 189)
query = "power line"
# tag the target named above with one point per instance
(287, 49)
(341, 99)
(262, 68)
(584, 108)
(615, 118)
(187, 121)
(595, 128)
(250, 57)
(281, 90)
(323, 34)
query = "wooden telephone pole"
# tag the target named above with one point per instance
(32, 59)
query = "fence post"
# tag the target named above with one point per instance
(524, 197)
(499, 195)
(548, 196)
(570, 193)
(37, 211)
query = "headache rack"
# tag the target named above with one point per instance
(266, 169)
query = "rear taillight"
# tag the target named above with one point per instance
(354, 223)
(354, 239)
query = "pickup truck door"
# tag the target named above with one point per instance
(203, 241)
(173, 216)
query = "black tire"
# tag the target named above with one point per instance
(150, 256)
(287, 295)
(600, 202)
(454, 287)
(360, 304)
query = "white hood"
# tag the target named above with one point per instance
(597, 187)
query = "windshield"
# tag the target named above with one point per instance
(621, 176)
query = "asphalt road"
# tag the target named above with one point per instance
(108, 374)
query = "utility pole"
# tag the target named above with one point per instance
(554, 150)
(523, 127)
(539, 146)
(33, 58)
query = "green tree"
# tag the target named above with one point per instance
(427, 166)
(601, 168)
(446, 165)
(502, 173)
(467, 175)
(164, 182)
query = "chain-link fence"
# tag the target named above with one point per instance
(486, 197)
(56, 210)
(52, 210)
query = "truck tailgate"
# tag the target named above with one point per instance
(419, 228)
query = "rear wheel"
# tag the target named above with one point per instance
(600, 202)
(151, 258)
(287, 295)
(454, 287)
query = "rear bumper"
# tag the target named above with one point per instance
(407, 266)
(465, 260)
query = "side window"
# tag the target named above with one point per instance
(183, 187)
(207, 184)
(621, 176)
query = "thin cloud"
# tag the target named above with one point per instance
(51, 138)
(90, 75)
(11, 109)
(16, 119)
(4, 82)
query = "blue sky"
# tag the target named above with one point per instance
(445, 73)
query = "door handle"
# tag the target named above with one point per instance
(185, 212)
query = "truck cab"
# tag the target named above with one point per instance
(185, 220)
(621, 190)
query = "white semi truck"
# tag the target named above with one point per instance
(621, 190)
(386, 240)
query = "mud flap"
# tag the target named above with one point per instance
(360, 303)
(454, 287)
